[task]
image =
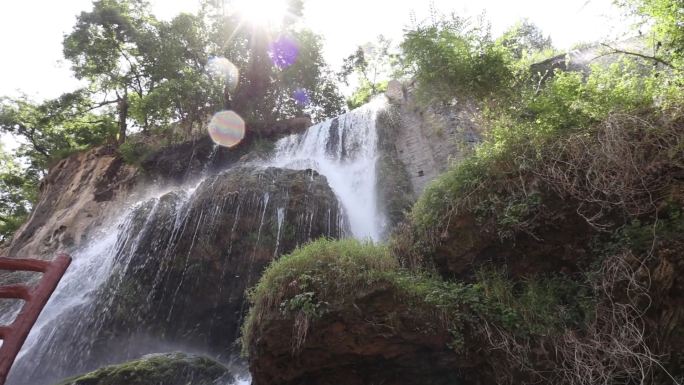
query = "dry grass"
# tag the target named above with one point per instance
(612, 348)
(627, 163)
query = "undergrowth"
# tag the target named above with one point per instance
(326, 276)
(612, 141)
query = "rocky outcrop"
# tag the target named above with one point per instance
(188, 160)
(79, 194)
(181, 265)
(166, 369)
(377, 338)
(342, 312)
(84, 191)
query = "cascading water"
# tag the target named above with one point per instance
(344, 150)
(171, 272)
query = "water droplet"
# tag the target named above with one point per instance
(225, 70)
(227, 128)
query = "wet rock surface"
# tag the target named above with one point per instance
(181, 265)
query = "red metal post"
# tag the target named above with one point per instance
(14, 335)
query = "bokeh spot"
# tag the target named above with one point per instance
(283, 52)
(225, 70)
(227, 128)
(301, 96)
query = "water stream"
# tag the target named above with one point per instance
(344, 150)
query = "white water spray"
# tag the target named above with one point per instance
(344, 150)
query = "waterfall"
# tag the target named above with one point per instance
(344, 150)
(171, 271)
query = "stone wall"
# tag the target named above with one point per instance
(428, 137)
(431, 136)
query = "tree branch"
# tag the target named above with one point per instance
(637, 54)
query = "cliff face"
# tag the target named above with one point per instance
(417, 142)
(164, 251)
(78, 195)
(429, 137)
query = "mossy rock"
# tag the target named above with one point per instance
(158, 369)
(347, 312)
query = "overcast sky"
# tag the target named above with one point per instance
(31, 30)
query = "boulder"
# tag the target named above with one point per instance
(395, 91)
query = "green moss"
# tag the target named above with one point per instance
(313, 275)
(330, 275)
(166, 369)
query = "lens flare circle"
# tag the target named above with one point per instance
(302, 96)
(225, 70)
(283, 52)
(227, 128)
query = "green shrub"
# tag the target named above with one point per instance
(452, 58)
(570, 121)
(134, 152)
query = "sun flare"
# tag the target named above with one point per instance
(262, 12)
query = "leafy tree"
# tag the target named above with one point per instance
(311, 76)
(371, 64)
(449, 57)
(524, 38)
(275, 65)
(54, 128)
(666, 20)
(17, 191)
(106, 47)
(176, 57)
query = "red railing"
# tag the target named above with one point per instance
(14, 335)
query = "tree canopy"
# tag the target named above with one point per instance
(154, 76)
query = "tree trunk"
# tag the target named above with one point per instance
(122, 108)
(227, 101)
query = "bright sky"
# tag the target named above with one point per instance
(32, 30)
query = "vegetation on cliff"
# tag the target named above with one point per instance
(575, 197)
(326, 275)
